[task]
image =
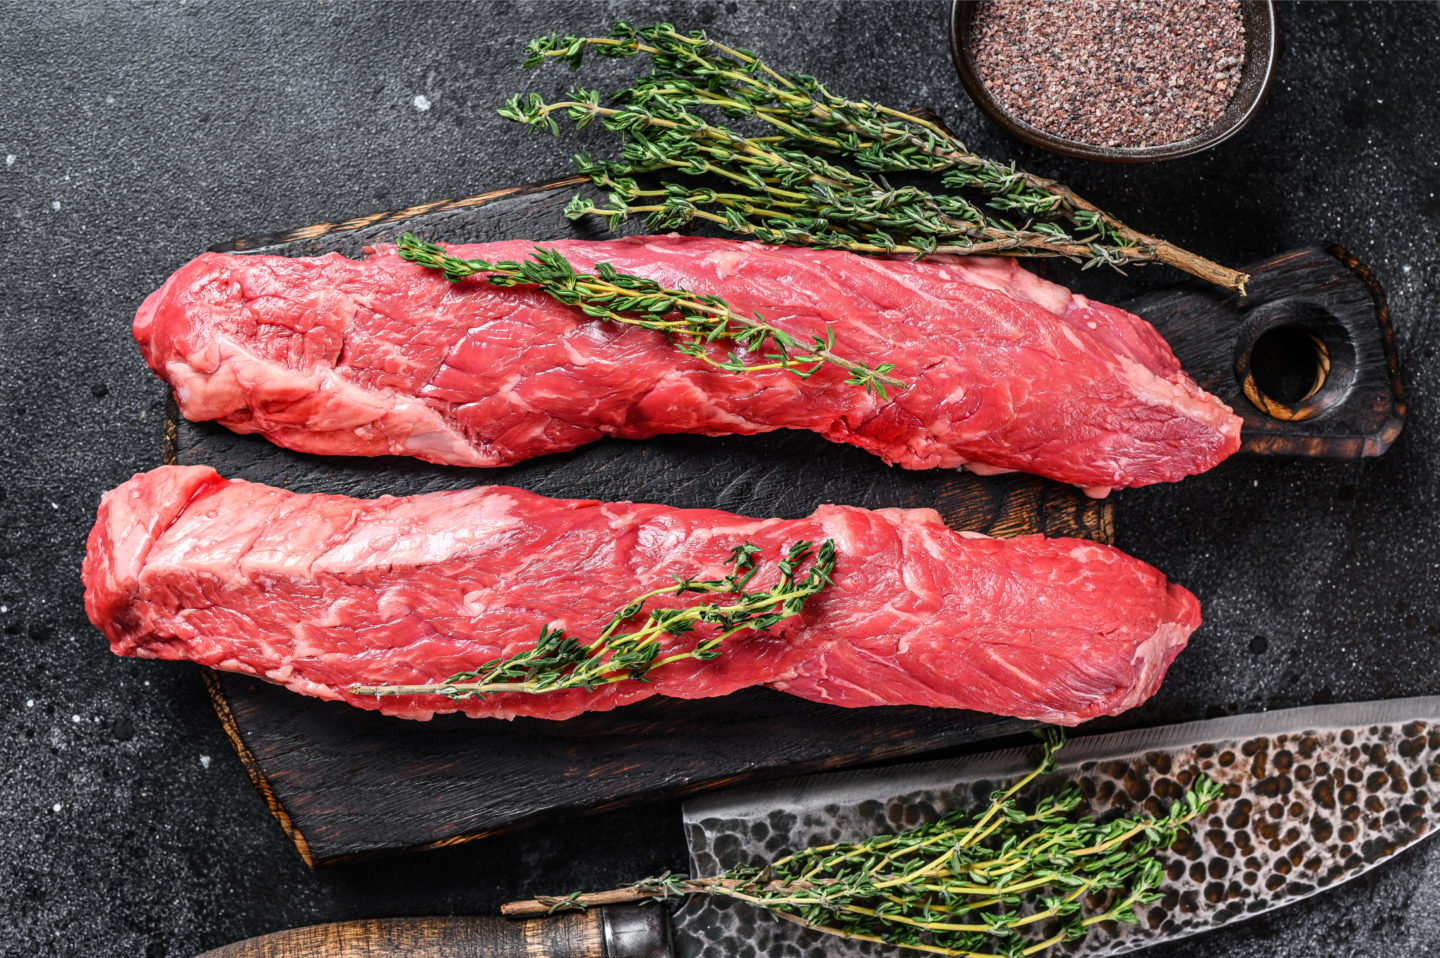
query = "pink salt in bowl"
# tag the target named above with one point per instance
(1256, 74)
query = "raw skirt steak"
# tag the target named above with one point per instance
(1004, 371)
(321, 593)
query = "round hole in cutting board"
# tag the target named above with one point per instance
(1296, 361)
(1290, 364)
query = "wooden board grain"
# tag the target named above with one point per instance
(345, 783)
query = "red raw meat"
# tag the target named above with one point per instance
(321, 593)
(1005, 371)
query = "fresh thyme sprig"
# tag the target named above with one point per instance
(558, 661)
(781, 188)
(1012, 880)
(692, 322)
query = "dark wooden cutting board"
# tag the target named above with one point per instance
(346, 783)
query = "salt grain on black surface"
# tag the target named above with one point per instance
(1118, 73)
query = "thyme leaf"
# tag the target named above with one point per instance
(559, 661)
(811, 170)
(1011, 880)
(692, 322)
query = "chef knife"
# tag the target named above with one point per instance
(1312, 797)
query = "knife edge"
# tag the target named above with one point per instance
(858, 784)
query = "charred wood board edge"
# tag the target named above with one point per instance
(364, 809)
(368, 226)
(221, 703)
(216, 690)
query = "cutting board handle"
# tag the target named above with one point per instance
(1307, 358)
(622, 932)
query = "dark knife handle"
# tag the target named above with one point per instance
(624, 932)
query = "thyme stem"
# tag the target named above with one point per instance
(693, 323)
(558, 662)
(894, 888)
(844, 206)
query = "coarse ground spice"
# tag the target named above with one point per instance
(1111, 72)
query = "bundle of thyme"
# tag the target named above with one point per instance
(692, 322)
(559, 661)
(787, 183)
(1010, 881)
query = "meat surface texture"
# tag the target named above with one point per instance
(322, 593)
(1003, 371)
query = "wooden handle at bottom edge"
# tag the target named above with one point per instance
(629, 932)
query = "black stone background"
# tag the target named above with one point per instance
(133, 135)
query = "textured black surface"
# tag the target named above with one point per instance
(142, 133)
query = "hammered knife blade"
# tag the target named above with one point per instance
(1312, 797)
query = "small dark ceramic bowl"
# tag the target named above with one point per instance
(1255, 76)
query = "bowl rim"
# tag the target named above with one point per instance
(1110, 154)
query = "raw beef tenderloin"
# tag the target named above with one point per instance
(1004, 371)
(323, 593)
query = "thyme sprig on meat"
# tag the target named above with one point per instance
(559, 661)
(785, 182)
(1010, 881)
(694, 323)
